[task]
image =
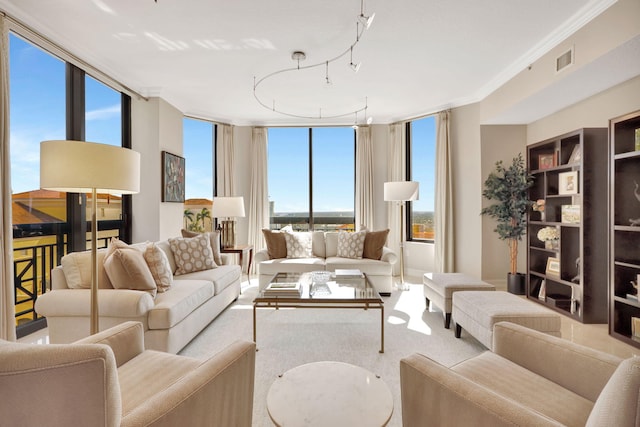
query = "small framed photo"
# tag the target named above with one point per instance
(635, 328)
(172, 178)
(568, 182)
(576, 154)
(546, 161)
(570, 214)
(553, 267)
(542, 293)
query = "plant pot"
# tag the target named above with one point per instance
(516, 283)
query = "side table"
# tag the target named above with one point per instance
(240, 250)
(329, 394)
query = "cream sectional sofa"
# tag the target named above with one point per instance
(170, 320)
(325, 251)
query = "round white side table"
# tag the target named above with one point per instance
(329, 394)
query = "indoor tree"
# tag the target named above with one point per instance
(508, 186)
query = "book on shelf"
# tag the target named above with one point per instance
(348, 274)
(283, 289)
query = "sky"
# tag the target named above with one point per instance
(37, 106)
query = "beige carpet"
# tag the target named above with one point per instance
(290, 337)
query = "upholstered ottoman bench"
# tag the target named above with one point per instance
(477, 312)
(439, 287)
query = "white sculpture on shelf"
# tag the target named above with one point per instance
(636, 192)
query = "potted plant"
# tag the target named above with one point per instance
(508, 187)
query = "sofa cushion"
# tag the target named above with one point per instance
(527, 388)
(181, 300)
(192, 254)
(288, 265)
(214, 239)
(276, 244)
(298, 244)
(331, 244)
(374, 241)
(159, 266)
(318, 247)
(77, 270)
(222, 277)
(351, 245)
(369, 266)
(127, 269)
(618, 403)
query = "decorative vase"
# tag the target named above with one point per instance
(551, 245)
(542, 216)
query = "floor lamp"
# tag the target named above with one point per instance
(401, 192)
(229, 208)
(88, 167)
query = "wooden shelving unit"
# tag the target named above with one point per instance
(579, 289)
(624, 233)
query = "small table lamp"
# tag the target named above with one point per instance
(401, 192)
(88, 167)
(228, 207)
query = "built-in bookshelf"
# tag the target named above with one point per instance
(569, 274)
(624, 309)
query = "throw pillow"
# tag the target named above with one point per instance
(77, 270)
(192, 254)
(373, 244)
(127, 269)
(214, 237)
(351, 245)
(159, 266)
(276, 244)
(298, 245)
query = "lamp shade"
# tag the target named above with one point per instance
(80, 167)
(400, 191)
(227, 207)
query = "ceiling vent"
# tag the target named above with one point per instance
(564, 60)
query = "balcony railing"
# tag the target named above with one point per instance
(37, 249)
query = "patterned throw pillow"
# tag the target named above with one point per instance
(298, 245)
(351, 245)
(192, 254)
(214, 237)
(159, 265)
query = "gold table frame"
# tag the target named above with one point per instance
(365, 298)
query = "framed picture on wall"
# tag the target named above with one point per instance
(568, 182)
(172, 178)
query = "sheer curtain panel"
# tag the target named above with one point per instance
(7, 308)
(224, 156)
(364, 178)
(444, 233)
(259, 193)
(396, 171)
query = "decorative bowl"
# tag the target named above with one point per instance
(320, 276)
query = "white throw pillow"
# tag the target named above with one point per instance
(159, 266)
(298, 245)
(351, 245)
(192, 254)
(127, 269)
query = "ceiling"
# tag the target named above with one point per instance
(203, 56)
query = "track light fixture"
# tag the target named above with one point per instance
(363, 22)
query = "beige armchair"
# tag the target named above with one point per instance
(108, 379)
(529, 379)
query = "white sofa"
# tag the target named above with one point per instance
(325, 250)
(170, 320)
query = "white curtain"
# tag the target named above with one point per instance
(364, 178)
(396, 171)
(444, 257)
(259, 191)
(224, 161)
(7, 308)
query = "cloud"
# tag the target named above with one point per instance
(104, 113)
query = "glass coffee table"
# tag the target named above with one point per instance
(336, 293)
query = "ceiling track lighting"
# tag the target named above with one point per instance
(363, 22)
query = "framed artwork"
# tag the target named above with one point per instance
(546, 161)
(570, 214)
(568, 182)
(553, 267)
(172, 178)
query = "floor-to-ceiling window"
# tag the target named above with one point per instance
(312, 177)
(198, 149)
(51, 99)
(421, 153)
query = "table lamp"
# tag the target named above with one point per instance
(229, 208)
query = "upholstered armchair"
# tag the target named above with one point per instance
(108, 379)
(529, 379)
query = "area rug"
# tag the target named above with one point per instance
(287, 338)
